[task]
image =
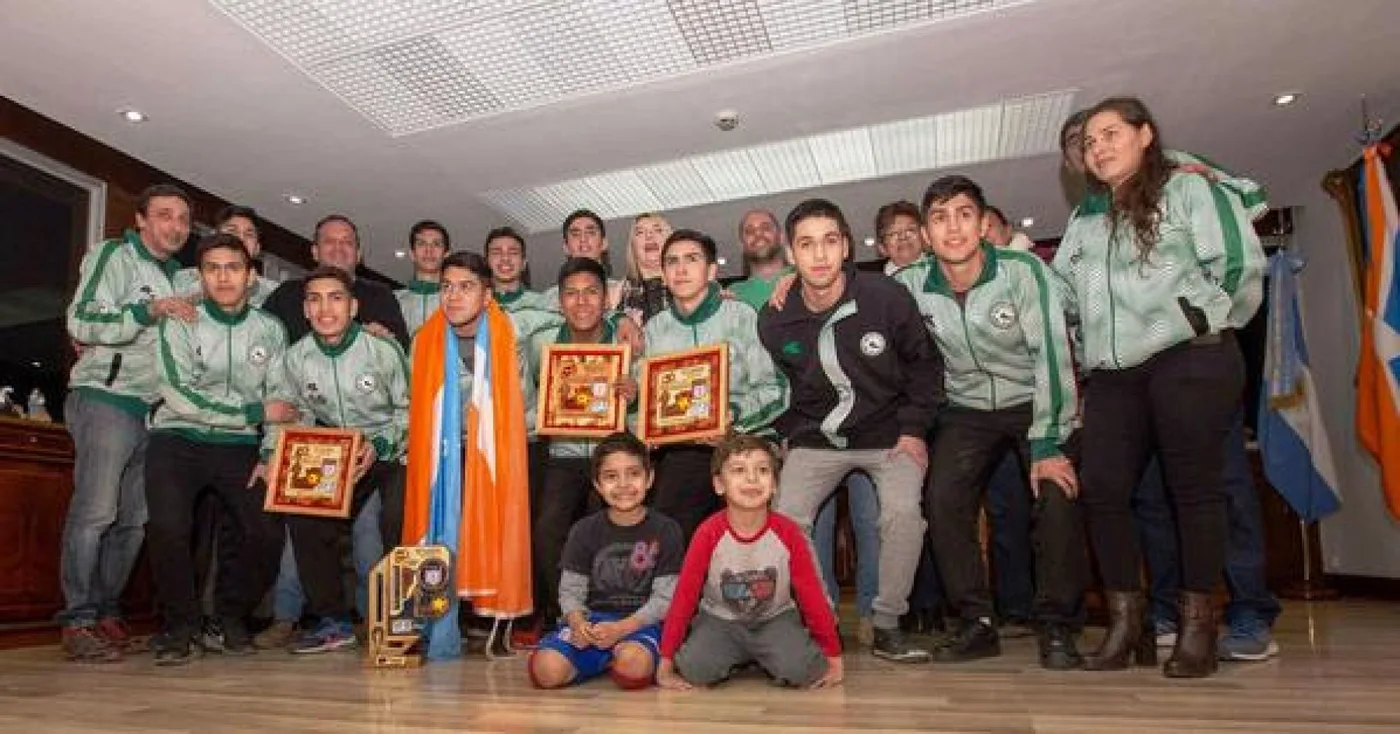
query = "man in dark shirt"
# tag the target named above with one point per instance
(337, 243)
(866, 384)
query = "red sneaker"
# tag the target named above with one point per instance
(114, 631)
(85, 645)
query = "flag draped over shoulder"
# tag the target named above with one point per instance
(433, 490)
(1378, 369)
(1293, 444)
(494, 567)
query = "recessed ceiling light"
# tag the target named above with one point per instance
(869, 241)
(1027, 222)
(1285, 99)
(132, 115)
(722, 262)
(296, 199)
(37, 363)
(400, 254)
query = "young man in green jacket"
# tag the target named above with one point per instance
(340, 375)
(124, 291)
(996, 318)
(213, 377)
(699, 315)
(428, 244)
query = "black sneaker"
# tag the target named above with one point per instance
(236, 640)
(1057, 648)
(211, 635)
(175, 650)
(890, 644)
(974, 640)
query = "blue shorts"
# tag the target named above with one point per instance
(591, 662)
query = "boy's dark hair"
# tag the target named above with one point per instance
(316, 233)
(947, 187)
(331, 272)
(706, 243)
(222, 241)
(504, 232)
(143, 202)
(423, 226)
(621, 442)
(884, 218)
(742, 443)
(583, 214)
(235, 210)
(576, 265)
(471, 262)
(815, 208)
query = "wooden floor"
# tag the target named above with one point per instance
(1339, 672)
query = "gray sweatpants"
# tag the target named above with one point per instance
(811, 475)
(780, 645)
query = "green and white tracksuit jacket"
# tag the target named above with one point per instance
(110, 316)
(418, 301)
(1204, 275)
(1006, 344)
(188, 285)
(215, 373)
(360, 383)
(562, 447)
(757, 392)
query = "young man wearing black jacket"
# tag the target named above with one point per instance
(866, 382)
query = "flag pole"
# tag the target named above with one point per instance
(1310, 587)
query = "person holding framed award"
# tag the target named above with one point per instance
(754, 394)
(343, 376)
(568, 479)
(213, 380)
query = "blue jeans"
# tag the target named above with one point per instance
(288, 600)
(865, 525)
(106, 520)
(1013, 563)
(1252, 607)
(366, 548)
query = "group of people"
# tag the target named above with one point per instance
(1110, 379)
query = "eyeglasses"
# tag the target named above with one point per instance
(895, 235)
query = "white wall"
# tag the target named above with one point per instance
(1361, 539)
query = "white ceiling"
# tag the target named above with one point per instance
(232, 115)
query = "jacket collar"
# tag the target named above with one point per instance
(424, 287)
(937, 282)
(707, 308)
(335, 350)
(224, 317)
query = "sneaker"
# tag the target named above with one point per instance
(974, 640)
(175, 650)
(891, 644)
(114, 631)
(85, 645)
(235, 640)
(1247, 646)
(1057, 648)
(1166, 634)
(278, 635)
(865, 631)
(329, 635)
(211, 635)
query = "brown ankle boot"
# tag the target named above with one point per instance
(1194, 655)
(1124, 632)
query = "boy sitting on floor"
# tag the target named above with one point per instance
(619, 571)
(750, 571)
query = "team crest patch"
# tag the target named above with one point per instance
(258, 354)
(1002, 314)
(148, 293)
(872, 344)
(366, 383)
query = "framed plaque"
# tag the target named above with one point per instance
(684, 395)
(312, 471)
(576, 390)
(407, 588)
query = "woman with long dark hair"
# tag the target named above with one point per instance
(1161, 266)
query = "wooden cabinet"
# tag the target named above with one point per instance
(36, 482)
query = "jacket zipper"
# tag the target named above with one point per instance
(967, 336)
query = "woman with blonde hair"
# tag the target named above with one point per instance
(644, 293)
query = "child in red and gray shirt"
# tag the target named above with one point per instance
(751, 573)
